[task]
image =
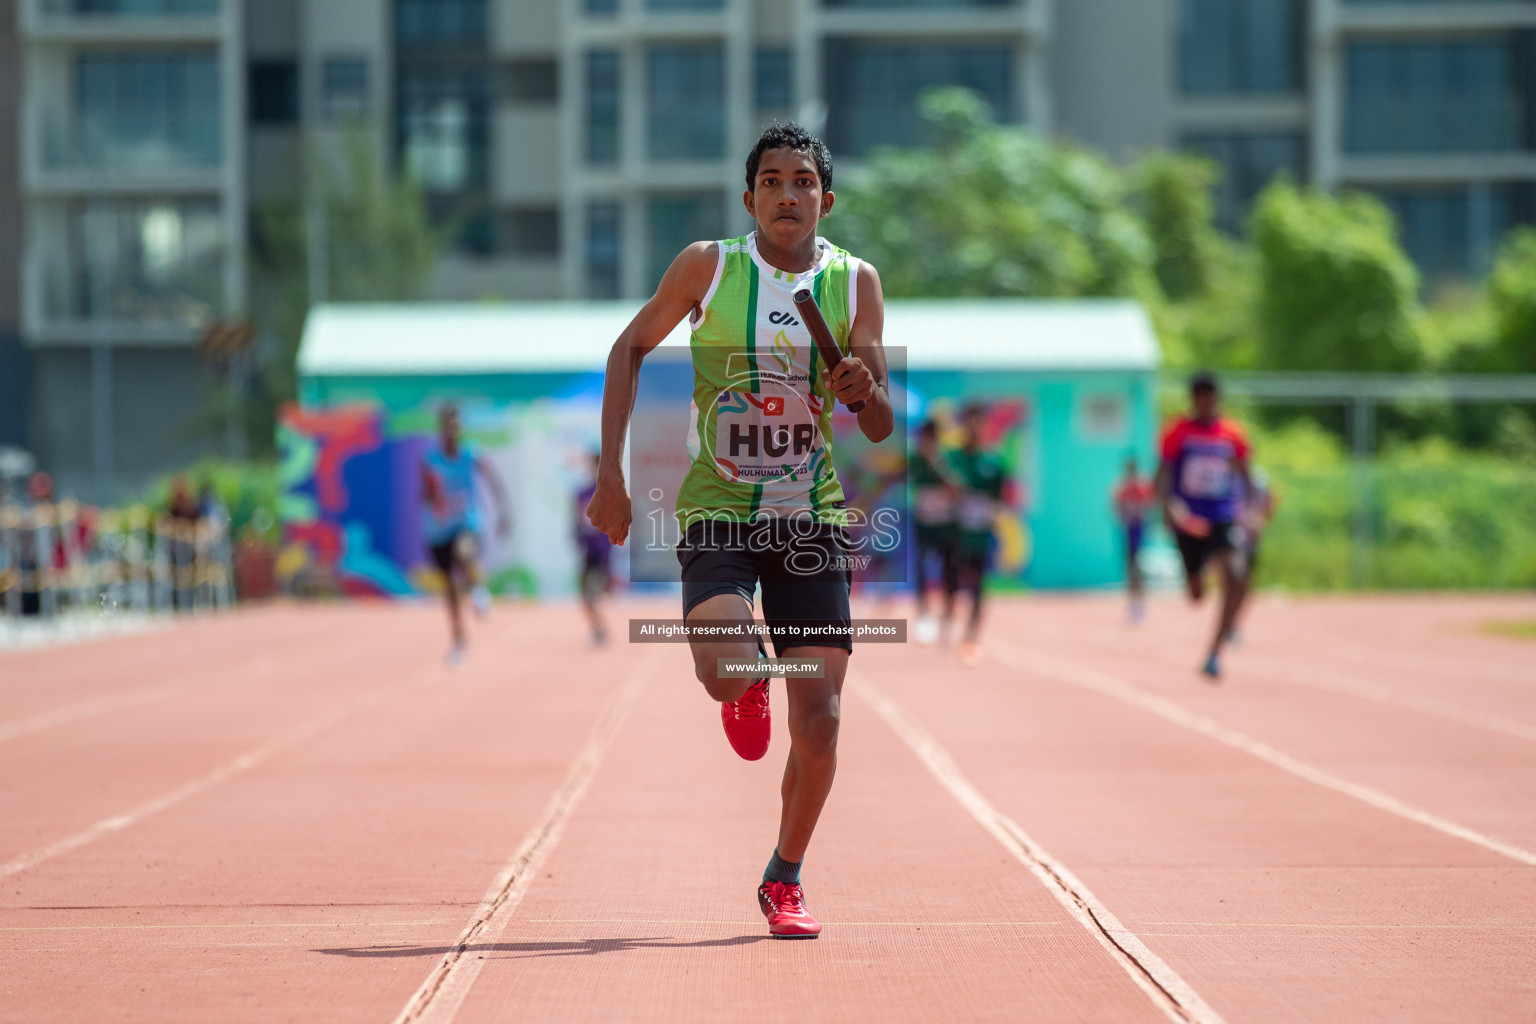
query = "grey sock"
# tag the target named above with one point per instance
(781, 870)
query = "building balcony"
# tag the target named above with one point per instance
(72, 153)
(931, 18)
(1411, 16)
(123, 20)
(126, 269)
(168, 306)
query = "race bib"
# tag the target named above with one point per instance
(935, 505)
(768, 437)
(975, 512)
(1205, 476)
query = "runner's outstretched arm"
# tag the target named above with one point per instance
(862, 377)
(682, 288)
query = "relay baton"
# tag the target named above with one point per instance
(821, 334)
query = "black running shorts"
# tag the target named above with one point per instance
(1198, 551)
(803, 567)
(450, 551)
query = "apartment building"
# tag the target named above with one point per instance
(132, 187)
(1428, 104)
(575, 145)
(15, 370)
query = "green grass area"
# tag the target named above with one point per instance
(1519, 630)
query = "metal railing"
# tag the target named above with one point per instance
(131, 148)
(63, 557)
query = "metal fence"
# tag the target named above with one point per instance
(1362, 397)
(67, 557)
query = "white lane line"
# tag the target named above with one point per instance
(1328, 681)
(84, 709)
(1169, 992)
(1353, 686)
(239, 765)
(439, 997)
(1109, 686)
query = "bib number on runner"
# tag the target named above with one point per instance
(766, 437)
(1205, 476)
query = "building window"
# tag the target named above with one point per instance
(1248, 162)
(602, 7)
(274, 92)
(531, 232)
(443, 127)
(531, 82)
(1240, 46)
(686, 86)
(157, 260)
(675, 223)
(1445, 95)
(873, 88)
(602, 108)
(775, 90)
(440, 22)
(144, 108)
(344, 88)
(603, 247)
(1453, 231)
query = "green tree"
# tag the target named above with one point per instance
(993, 211)
(1173, 196)
(379, 243)
(1512, 293)
(1336, 291)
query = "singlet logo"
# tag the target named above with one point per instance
(780, 317)
(784, 354)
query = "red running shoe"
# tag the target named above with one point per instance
(784, 907)
(746, 721)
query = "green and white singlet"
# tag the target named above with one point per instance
(760, 427)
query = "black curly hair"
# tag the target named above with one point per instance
(788, 135)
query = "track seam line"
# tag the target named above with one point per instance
(1110, 686)
(84, 709)
(1167, 990)
(440, 996)
(229, 769)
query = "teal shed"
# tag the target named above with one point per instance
(1070, 384)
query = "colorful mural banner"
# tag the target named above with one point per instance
(353, 509)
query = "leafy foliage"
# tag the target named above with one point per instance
(1336, 291)
(993, 211)
(1173, 197)
(1441, 516)
(1512, 293)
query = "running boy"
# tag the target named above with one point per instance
(761, 502)
(595, 578)
(1133, 499)
(448, 487)
(934, 492)
(980, 476)
(1204, 463)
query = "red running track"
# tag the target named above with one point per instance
(297, 813)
